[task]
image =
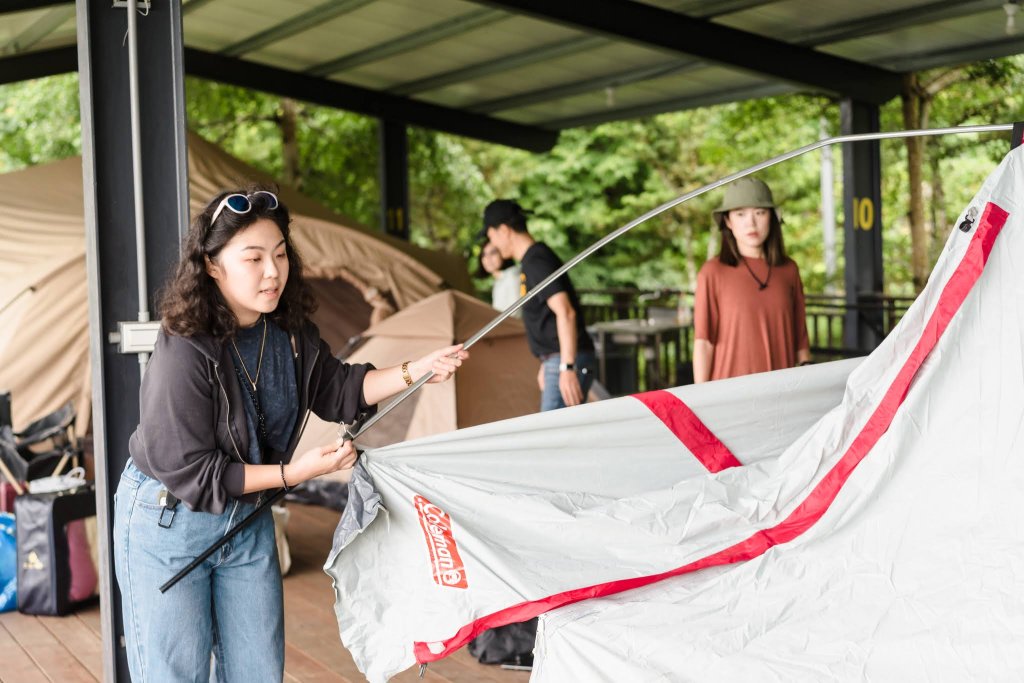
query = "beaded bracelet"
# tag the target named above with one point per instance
(286, 487)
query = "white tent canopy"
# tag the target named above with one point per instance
(796, 524)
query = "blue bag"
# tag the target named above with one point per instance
(8, 563)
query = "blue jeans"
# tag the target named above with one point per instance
(230, 606)
(586, 370)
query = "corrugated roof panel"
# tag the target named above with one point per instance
(691, 84)
(64, 35)
(969, 30)
(613, 57)
(13, 25)
(788, 20)
(221, 23)
(367, 27)
(504, 39)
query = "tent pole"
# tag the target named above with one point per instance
(583, 255)
(571, 263)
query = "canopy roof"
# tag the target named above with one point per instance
(517, 71)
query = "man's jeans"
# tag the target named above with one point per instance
(586, 371)
(231, 605)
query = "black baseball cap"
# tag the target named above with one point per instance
(503, 212)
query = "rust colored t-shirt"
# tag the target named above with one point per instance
(752, 329)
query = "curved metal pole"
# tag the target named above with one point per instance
(347, 435)
(583, 255)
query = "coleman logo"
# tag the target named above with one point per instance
(32, 561)
(444, 555)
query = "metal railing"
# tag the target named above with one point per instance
(827, 318)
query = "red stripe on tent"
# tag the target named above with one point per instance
(688, 428)
(817, 502)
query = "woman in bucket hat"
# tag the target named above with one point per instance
(749, 306)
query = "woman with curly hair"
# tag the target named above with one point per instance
(237, 367)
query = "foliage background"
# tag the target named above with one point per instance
(594, 180)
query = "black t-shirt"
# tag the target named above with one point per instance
(541, 327)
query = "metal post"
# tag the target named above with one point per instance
(862, 203)
(394, 178)
(828, 211)
(110, 220)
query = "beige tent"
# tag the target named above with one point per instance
(43, 302)
(499, 380)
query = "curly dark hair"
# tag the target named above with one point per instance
(191, 304)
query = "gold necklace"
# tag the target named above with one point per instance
(259, 363)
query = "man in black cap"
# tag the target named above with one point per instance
(553, 318)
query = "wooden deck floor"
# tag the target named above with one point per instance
(68, 649)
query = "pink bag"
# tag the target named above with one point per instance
(83, 571)
(7, 496)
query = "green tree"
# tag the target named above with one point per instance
(40, 121)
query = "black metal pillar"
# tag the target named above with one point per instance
(394, 178)
(111, 238)
(862, 203)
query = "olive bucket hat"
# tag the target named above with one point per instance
(741, 193)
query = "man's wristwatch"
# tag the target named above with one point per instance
(562, 367)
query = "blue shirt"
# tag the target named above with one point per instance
(276, 386)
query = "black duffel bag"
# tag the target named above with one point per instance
(45, 561)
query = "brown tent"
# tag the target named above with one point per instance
(44, 355)
(499, 381)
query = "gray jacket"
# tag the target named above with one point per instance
(192, 433)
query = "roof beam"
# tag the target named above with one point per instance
(432, 34)
(317, 16)
(941, 10)
(658, 28)
(705, 8)
(473, 20)
(674, 104)
(364, 101)
(44, 26)
(39, 64)
(573, 46)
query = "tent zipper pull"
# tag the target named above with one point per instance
(968, 223)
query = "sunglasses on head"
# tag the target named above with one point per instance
(242, 204)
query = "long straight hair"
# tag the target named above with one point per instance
(773, 249)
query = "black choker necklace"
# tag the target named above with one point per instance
(761, 286)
